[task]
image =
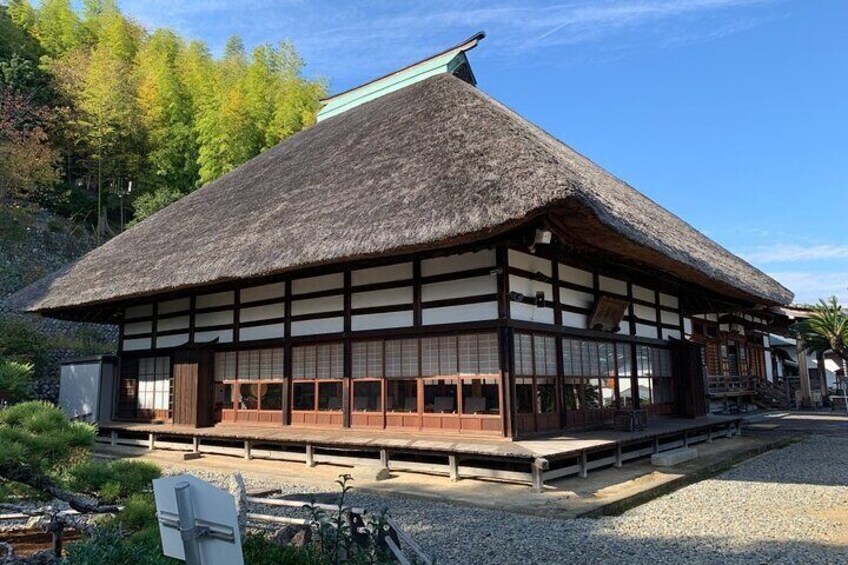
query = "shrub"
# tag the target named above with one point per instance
(21, 341)
(15, 380)
(259, 550)
(114, 481)
(108, 544)
(139, 513)
(38, 435)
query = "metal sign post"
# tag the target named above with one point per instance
(197, 521)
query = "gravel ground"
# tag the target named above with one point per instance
(786, 506)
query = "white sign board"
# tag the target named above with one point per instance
(214, 513)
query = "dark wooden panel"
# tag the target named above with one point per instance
(689, 373)
(193, 388)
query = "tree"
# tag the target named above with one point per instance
(57, 27)
(826, 329)
(27, 160)
(166, 114)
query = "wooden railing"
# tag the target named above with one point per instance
(731, 384)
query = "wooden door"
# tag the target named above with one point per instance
(689, 378)
(193, 390)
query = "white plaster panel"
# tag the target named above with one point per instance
(576, 298)
(529, 287)
(271, 331)
(317, 284)
(625, 327)
(140, 311)
(171, 306)
(264, 292)
(133, 328)
(615, 286)
(171, 340)
(461, 262)
(168, 324)
(213, 300)
(672, 318)
(643, 330)
(313, 327)
(645, 312)
(459, 288)
(531, 263)
(573, 320)
(213, 319)
(670, 334)
(460, 313)
(574, 275)
(137, 344)
(267, 312)
(399, 272)
(530, 313)
(643, 293)
(769, 368)
(317, 305)
(224, 336)
(669, 301)
(386, 297)
(687, 326)
(381, 321)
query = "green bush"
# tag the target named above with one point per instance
(15, 380)
(259, 550)
(21, 341)
(39, 435)
(108, 544)
(139, 513)
(113, 481)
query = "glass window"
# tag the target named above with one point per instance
(490, 359)
(592, 393)
(271, 396)
(329, 396)
(546, 395)
(303, 396)
(248, 396)
(469, 355)
(154, 383)
(571, 393)
(225, 365)
(662, 391)
(645, 391)
(367, 396)
(524, 395)
(402, 395)
(223, 396)
(330, 363)
(440, 396)
(401, 358)
(480, 396)
(523, 346)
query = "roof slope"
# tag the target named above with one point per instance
(421, 166)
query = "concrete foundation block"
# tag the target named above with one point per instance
(673, 457)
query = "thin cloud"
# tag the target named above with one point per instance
(810, 287)
(793, 252)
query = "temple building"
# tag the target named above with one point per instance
(423, 259)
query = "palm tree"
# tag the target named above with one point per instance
(825, 330)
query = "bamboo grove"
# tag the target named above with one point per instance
(90, 102)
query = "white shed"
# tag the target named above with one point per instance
(87, 388)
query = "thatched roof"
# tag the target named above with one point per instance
(430, 165)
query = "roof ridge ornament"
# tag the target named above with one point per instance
(452, 60)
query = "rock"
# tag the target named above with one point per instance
(371, 473)
(297, 536)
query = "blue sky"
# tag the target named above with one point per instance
(730, 113)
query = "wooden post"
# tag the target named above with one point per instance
(151, 442)
(113, 438)
(804, 375)
(310, 455)
(710, 434)
(656, 445)
(685, 439)
(537, 470)
(247, 454)
(618, 460)
(454, 468)
(384, 458)
(195, 444)
(584, 465)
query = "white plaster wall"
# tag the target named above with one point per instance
(270, 331)
(461, 262)
(264, 292)
(462, 313)
(380, 321)
(399, 272)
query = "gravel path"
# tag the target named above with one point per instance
(786, 506)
